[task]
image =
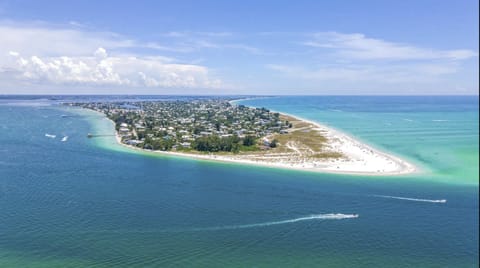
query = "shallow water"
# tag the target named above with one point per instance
(439, 133)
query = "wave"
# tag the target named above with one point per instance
(408, 120)
(440, 120)
(413, 199)
(329, 216)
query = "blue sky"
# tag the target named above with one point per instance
(242, 47)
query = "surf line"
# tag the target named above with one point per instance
(413, 199)
(329, 216)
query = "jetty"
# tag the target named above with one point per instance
(90, 135)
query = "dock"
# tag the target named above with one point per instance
(90, 135)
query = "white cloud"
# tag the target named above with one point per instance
(373, 73)
(352, 61)
(101, 69)
(100, 53)
(358, 46)
(42, 56)
(36, 40)
(195, 41)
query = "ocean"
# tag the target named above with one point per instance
(93, 203)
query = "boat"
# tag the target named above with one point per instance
(89, 135)
(65, 138)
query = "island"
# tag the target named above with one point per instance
(218, 129)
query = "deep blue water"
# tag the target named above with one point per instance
(77, 204)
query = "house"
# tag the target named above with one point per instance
(133, 142)
(266, 142)
(123, 129)
(185, 144)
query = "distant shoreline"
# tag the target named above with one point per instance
(361, 159)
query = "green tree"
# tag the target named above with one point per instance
(249, 140)
(273, 144)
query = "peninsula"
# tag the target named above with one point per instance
(217, 129)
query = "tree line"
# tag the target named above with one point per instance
(214, 143)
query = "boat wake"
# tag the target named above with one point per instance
(329, 216)
(413, 199)
(50, 136)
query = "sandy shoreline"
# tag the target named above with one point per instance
(361, 159)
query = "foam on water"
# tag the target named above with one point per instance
(329, 216)
(413, 199)
(50, 136)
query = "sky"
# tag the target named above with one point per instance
(382, 47)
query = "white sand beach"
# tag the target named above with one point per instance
(359, 158)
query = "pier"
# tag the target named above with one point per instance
(90, 135)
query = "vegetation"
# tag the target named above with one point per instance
(273, 144)
(215, 143)
(213, 125)
(249, 141)
(205, 125)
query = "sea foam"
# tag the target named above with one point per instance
(413, 199)
(50, 136)
(329, 216)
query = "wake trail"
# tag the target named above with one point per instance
(413, 199)
(329, 216)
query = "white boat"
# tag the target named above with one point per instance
(50, 136)
(65, 138)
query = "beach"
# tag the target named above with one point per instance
(359, 158)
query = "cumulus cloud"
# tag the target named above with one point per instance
(42, 56)
(101, 69)
(100, 53)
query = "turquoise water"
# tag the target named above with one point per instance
(438, 134)
(89, 202)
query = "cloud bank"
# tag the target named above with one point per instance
(101, 69)
(42, 56)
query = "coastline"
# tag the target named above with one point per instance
(361, 159)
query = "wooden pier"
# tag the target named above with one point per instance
(90, 135)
